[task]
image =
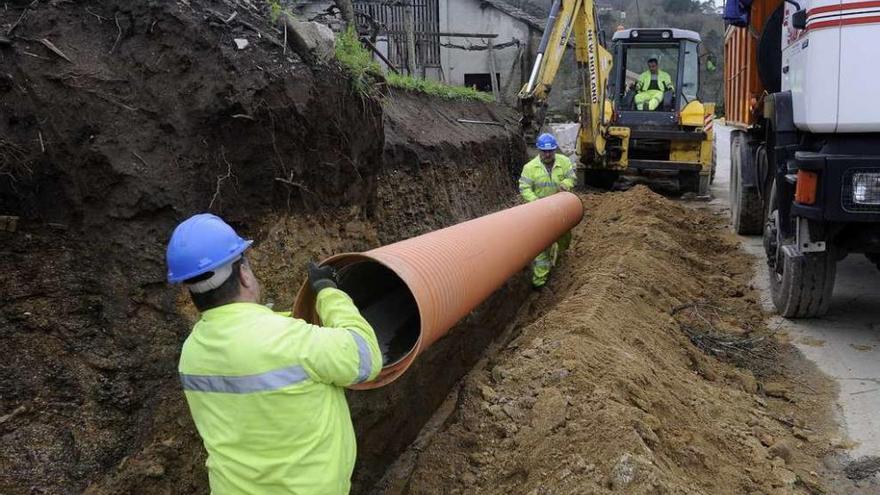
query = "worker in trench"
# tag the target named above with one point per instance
(266, 390)
(651, 86)
(547, 174)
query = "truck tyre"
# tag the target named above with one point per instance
(801, 284)
(602, 179)
(746, 211)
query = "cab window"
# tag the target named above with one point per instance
(690, 81)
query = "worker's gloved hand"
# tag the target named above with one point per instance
(321, 277)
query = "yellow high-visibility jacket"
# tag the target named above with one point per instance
(664, 82)
(266, 394)
(536, 183)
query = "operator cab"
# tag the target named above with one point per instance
(673, 85)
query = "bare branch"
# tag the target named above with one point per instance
(54, 49)
(298, 185)
(100, 18)
(118, 32)
(15, 25)
(139, 157)
(221, 178)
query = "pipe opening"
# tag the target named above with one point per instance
(387, 304)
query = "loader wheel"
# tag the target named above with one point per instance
(693, 182)
(746, 211)
(714, 164)
(801, 284)
(602, 179)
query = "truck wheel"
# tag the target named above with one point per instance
(746, 211)
(602, 179)
(801, 284)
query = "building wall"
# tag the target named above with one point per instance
(467, 16)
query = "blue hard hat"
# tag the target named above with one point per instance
(546, 142)
(200, 244)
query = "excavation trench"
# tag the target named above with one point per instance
(388, 419)
(159, 116)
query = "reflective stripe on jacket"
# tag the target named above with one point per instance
(664, 82)
(265, 392)
(536, 183)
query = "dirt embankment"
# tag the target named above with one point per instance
(156, 116)
(611, 385)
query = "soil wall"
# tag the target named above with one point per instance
(151, 115)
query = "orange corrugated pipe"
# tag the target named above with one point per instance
(414, 291)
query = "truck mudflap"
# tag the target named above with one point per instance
(848, 188)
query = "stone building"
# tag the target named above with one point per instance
(459, 42)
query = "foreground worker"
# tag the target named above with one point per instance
(651, 86)
(266, 390)
(546, 174)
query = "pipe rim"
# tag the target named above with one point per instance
(304, 308)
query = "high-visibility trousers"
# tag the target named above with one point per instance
(649, 100)
(545, 261)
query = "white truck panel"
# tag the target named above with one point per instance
(811, 71)
(859, 110)
(829, 66)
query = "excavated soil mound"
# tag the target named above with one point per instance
(609, 389)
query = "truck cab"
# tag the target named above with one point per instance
(677, 54)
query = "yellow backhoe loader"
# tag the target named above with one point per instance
(621, 131)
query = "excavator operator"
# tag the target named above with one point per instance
(651, 86)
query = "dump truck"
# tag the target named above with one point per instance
(805, 148)
(616, 135)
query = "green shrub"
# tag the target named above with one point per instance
(275, 9)
(365, 71)
(357, 60)
(435, 88)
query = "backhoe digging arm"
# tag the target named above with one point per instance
(569, 17)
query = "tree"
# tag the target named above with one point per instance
(681, 6)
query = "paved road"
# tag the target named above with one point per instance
(845, 344)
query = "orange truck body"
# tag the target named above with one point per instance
(743, 91)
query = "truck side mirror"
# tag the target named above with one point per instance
(799, 19)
